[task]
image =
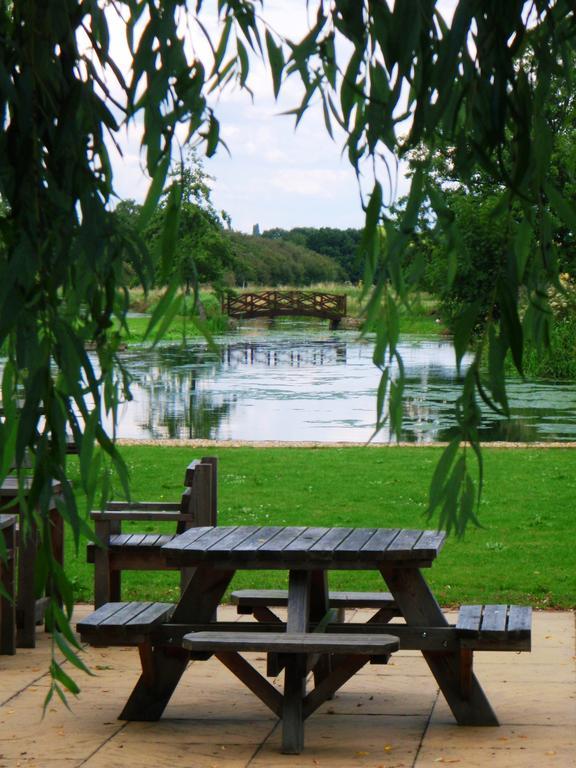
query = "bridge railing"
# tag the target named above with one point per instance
(285, 303)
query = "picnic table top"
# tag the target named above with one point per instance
(7, 520)
(277, 546)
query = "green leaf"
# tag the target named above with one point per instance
(522, 243)
(437, 486)
(155, 190)
(381, 398)
(510, 322)
(162, 307)
(276, 59)
(563, 207)
(222, 45)
(69, 654)
(170, 231)
(463, 330)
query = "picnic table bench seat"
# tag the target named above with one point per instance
(257, 601)
(495, 627)
(123, 624)
(292, 642)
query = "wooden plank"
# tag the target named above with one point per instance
(190, 470)
(379, 542)
(493, 620)
(292, 708)
(258, 538)
(331, 540)
(283, 538)
(127, 612)
(298, 601)
(354, 542)
(405, 541)
(206, 540)
(306, 540)
(213, 462)
(469, 618)
(151, 517)
(102, 613)
(430, 540)
(292, 642)
(234, 537)
(137, 506)
(153, 614)
(519, 621)
(201, 496)
(189, 537)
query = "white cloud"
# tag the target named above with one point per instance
(318, 182)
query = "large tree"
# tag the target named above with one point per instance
(398, 78)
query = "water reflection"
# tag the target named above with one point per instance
(316, 385)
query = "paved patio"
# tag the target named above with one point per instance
(385, 717)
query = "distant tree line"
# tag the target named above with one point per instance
(341, 245)
(279, 261)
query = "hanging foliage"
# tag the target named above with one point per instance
(398, 78)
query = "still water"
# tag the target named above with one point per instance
(304, 383)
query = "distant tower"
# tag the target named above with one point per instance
(256, 230)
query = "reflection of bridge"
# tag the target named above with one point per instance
(286, 304)
(317, 353)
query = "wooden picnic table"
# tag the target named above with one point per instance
(30, 607)
(7, 568)
(308, 554)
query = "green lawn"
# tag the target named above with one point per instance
(523, 553)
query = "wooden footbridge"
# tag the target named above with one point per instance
(286, 304)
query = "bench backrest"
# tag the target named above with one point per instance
(200, 498)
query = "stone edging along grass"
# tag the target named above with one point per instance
(197, 443)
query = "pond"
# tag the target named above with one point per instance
(302, 382)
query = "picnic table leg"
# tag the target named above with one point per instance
(57, 541)
(295, 670)
(318, 609)
(468, 702)
(162, 668)
(26, 598)
(7, 609)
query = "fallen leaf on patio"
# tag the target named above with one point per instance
(362, 754)
(388, 748)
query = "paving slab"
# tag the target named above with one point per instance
(388, 716)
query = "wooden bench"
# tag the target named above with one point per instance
(124, 624)
(30, 607)
(495, 627)
(490, 628)
(348, 651)
(257, 602)
(292, 642)
(117, 551)
(7, 581)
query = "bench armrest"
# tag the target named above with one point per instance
(144, 506)
(142, 515)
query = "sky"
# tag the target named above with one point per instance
(275, 175)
